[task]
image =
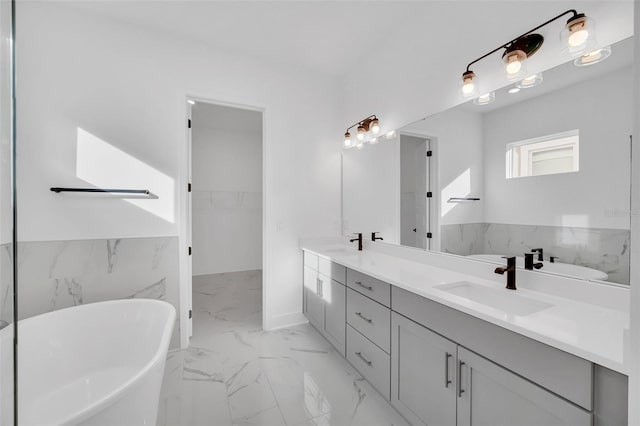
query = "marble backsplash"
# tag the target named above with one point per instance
(59, 274)
(606, 250)
(6, 283)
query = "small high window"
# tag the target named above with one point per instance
(546, 155)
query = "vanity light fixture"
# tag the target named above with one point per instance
(577, 36)
(485, 99)
(369, 125)
(531, 81)
(593, 57)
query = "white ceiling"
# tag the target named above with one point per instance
(331, 36)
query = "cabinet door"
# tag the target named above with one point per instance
(314, 309)
(334, 296)
(489, 395)
(422, 374)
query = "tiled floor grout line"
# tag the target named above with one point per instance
(275, 398)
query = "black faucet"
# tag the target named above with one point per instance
(539, 250)
(374, 237)
(528, 262)
(359, 240)
(511, 272)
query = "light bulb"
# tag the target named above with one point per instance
(578, 38)
(374, 126)
(485, 99)
(347, 140)
(530, 81)
(361, 133)
(593, 57)
(578, 34)
(469, 85)
(513, 64)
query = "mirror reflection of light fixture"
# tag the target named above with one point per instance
(530, 81)
(578, 35)
(368, 125)
(485, 99)
(513, 90)
(390, 135)
(593, 57)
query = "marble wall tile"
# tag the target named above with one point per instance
(606, 250)
(59, 274)
(463, 239)
(6, 283)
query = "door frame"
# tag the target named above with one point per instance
(433, 184)
(185, 214)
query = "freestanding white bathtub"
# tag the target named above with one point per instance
(94, 364)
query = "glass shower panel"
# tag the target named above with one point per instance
(7, 314)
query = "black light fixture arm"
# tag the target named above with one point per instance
(369, 118)
(507, 44)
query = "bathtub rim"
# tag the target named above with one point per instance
(135, 378)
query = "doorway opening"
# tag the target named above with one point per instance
(225, 218)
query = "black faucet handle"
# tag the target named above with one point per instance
(552, 259)
(374, 237)
(540, 253)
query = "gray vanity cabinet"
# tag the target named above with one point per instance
(489, 395)
(324, 298)
(313, 302)
(423, 374)
(334, 313)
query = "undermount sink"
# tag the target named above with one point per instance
(507, 301)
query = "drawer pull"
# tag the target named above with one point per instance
(460, 390)
(447, 382)
(364, 359)
(369, 320)
(368, 287)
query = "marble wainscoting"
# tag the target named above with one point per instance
(59, 274)
(606, 250)
(6, 283)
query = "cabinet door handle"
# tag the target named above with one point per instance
(369, 320)
(447, 382)
(460, 390)
(319, 287)
(359, 354)
(368, 287)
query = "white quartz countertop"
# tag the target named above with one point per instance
(590, 331)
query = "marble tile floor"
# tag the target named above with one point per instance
(234, 373)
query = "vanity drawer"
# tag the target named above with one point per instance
(370, 360)
(369, 286)
(370, 318)
(333, 270)
(310, 260)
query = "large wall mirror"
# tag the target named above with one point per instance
(543, 164)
